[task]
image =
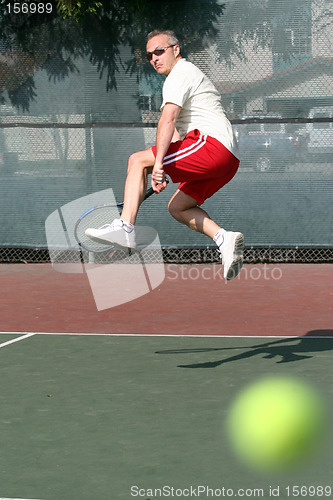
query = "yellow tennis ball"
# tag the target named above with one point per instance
(276, 423)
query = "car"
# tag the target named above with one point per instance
(320, 133)
(267, 145)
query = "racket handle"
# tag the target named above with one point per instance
(151, 191)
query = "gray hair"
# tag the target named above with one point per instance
(173, 40)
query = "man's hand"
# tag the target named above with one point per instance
(158, 178)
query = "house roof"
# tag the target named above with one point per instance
(305, 71)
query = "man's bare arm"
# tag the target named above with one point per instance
(166, 132)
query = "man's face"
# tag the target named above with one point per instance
(164, 63)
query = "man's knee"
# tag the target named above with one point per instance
(175, 208)
(171, 207)
(133, 162)
(181, 202)
(140, 160)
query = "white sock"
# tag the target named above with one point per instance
(128, 226)
(219, 237)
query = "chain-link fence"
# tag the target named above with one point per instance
(175, 255)
(273, 67)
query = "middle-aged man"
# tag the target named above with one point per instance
(195, 147)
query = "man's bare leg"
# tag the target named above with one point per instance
(121, 232)
(140, 164)
(184, 209)
(231, 244)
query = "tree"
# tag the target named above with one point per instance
(77, 9)
(95, 30)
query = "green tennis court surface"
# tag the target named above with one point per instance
(98, 417)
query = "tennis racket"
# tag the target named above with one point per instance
(97, 217)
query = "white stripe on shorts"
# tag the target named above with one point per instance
(183, 153)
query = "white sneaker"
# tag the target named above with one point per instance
(116, 233)
(232, 254)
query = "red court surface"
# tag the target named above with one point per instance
(264, 300)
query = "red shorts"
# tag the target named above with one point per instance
(200, 163)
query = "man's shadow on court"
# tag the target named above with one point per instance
(288, 349)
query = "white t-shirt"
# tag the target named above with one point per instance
(201, 105)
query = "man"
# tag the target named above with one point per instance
(195, 146)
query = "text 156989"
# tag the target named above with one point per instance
(29, 8)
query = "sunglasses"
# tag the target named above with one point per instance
(158, 52)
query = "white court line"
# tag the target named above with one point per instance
(17, 339)
(161, 335)
(2, 498)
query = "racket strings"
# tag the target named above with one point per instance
(97, 218)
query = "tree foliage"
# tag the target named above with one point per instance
(77, 9)
(97, 30)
